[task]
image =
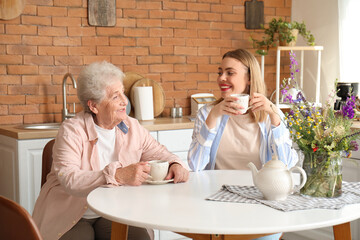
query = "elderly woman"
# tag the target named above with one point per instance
(100, 146)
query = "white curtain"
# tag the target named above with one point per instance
(349, 40)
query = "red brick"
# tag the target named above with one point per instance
(136, 51)
(161, 68)
(10, 79)
(52, 31)
(23, 109)
(81, 31)
(88, 50)
(134, 13)
(187, 15)
(274, 3)
(107, 50)
(209, 34)
(164, 14)
(21, 29)
(142, 69)
(196, 77)
(221, 8)
(198, 24)
(148, 42)
(52, 108)
(67, 41)
(21, 50)
(207, 68)
(68, 3)
(91, 41)
(173, 77)
(12, 99)
(283, 11)
(66, 21)
(69, 60)
(126, 4)
(39, 60)
(173, 23)
(10, 39)
(148, 5)
(11, 119)
(185, 68)
(4, 110)
(136, 32)
(222, 26)
(195, 42)
(23, 90)
(91, 59)
(57, 51)
(210, 17)
(29, 10)
(160, 50)
(148, 23)
(52, 11)
(174, 5)
(198, 7)
(129, 42)
(190, 51)
(22, 69)
(185, 85)
(52, 70)
(35, 20)
(197, 59)
(37, 40)
(173, 41)
(36, 79)
(10, 59)
(149, 59)
(77, 12)
(40, 2)
(233, 17)
(105, 31)
(185, 33)
(174, 59)
(121, 22)
(38, 118)
(207, 85)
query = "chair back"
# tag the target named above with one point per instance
(16, 222)
(46, 160)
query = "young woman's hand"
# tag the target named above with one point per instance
(260, 102)
(228, 106)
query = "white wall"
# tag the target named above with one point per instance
(321, 18)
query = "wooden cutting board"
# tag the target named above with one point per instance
(254, 14)
(102, 12)
(129, 80)
(10, 9)
(158, 94)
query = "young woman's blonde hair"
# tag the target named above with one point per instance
(257, 84)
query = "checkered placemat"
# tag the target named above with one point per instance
(250, 194)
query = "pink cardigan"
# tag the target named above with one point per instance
(75, 171)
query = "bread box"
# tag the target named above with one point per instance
(200, 99)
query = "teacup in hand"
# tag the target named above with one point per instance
(243, 101)
(158, 169)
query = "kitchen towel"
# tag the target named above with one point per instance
(144, 107)
(250, 194)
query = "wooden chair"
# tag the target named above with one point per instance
(46, 160)
(16, 222)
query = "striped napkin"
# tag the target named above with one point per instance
(250, 194)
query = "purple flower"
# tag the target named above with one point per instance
(348, 109)
(354, 146)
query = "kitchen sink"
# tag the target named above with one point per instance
(41, 126)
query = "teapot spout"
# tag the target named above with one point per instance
(253, 169)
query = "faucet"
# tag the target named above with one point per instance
(65, 114)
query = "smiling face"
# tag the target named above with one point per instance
(112, 109)
(233, 77)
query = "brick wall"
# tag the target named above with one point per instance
(178, 43)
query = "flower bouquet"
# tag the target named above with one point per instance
(323, 135)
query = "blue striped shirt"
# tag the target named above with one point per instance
(205, 142)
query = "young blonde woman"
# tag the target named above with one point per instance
(223, 138)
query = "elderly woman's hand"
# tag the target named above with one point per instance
(178, 172)
(134, 174)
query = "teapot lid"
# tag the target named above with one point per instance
(275, 162)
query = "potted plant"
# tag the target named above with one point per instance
(282, 33)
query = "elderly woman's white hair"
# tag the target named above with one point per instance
(93, 81)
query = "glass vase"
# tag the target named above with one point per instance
(324, 174)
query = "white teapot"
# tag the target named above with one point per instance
(274, 180)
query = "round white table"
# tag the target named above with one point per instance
(182, 208)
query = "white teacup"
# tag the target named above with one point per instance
(158, 169)
(243, 100)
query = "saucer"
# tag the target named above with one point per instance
(159, 182)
